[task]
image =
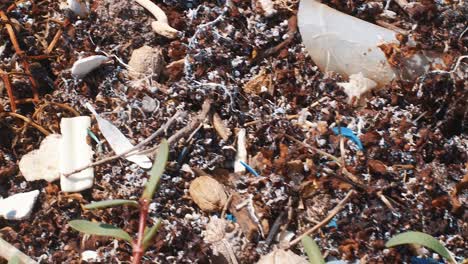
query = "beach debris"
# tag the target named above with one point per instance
(348, 133)
(84, 66)
(43, 163)
(357, 86)
(241, 154)
(208, 193)
(149, 104)
(267, 6)
(224, 238)
(75, 152)
(348, 45)
(161, 26)
(18, 206)
(280, 256)
(220, 127)
(78, 7)
(89, 255)
(117, 140)
(146, 60)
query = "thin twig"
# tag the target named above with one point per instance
(7, 83)
(329, 217)
(29, 122)
(129, 151)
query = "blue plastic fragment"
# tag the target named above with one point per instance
(349, 134)
(416, 260)
(250, 169)
(230, 217)
(333, 223)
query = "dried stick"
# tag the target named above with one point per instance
(332, 214)
(129, 151)
(54, 41)
(8, 251)
(29, 122)
(187, 129)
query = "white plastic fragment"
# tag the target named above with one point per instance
(75, 153)
(161, 26)
(268, 7)
(84, 66)
(18, 206)
(357, 86)
(43, 163)
(78, 7)
(118, 142)
(89, 256)
(241, 154)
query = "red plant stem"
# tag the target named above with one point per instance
(21, 54)
(138, 249)
(7, 83)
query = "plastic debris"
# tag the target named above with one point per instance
(89, 255)
(267, 6)
(357, 86)
(43, 163)
(348, 133)
(250, 169)
(18, 206)
(84, 66)
(78, 7)
(416, 260)
(161, 26)
(231, 218)
(241, 154)
(348, 45)
(118, 142)
(74, 153)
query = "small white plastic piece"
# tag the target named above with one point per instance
(268, 7)
(84, 66)
(78, 7)
(43, 163)
(75, 153)
(357, 86)
(18, 206)
(161, 26)
(118, 142)
(89, 256)
(241, 154)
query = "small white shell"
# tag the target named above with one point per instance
(84, 66)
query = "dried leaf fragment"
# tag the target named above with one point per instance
(262, 82)
(208, 193)
(281, 256)
(220, 127)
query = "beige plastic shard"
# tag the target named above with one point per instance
(344, 44)
(43, 163)
(75, 153)
(241, 154)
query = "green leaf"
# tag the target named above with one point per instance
(110, 203)
(14, 260)
(413, 237)
(312, 250)
(100, 229)
(151, 233)
(157, 170)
